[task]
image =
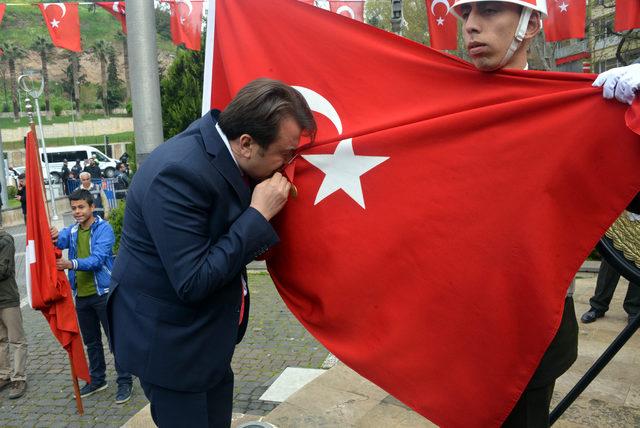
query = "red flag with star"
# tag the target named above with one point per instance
(2, 9)
(627, 15)
(63, 22)
(350, 9)
(443, 26)
(442, 212)
(566, 20)
(186, 23)
(118, 10)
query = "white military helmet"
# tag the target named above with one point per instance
(528, 6)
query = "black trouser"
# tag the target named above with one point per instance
(532, 409)
(606, 284)
(210, 408)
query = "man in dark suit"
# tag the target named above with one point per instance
(179, 301)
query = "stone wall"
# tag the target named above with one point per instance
(89, 128)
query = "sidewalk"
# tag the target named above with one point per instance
(341, 398)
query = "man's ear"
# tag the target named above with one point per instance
(534, 26)
(244, 146)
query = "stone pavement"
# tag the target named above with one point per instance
(274, 341)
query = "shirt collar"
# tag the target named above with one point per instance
(226, 143)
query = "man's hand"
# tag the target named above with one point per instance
(623, 83)
(54, 234)
(62, 264)
(270, 195)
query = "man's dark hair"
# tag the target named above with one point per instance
(22, 176)
(259, 108)
(81, 195)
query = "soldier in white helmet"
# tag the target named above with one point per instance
(497, 35)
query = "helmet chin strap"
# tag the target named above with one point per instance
(518, 37)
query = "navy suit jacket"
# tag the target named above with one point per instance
(176, 288)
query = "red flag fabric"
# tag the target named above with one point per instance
(186, 23)
(48, 289)
(566, 20)
(441, 213)
(627, 15)
(2, 9)
(63, 22)
(350, 9)
(118, 10)
(443, 26)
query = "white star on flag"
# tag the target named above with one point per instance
(342, 170)
(563, 7)
(55, 23)
(440, 20)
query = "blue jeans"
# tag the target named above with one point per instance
(92, 311)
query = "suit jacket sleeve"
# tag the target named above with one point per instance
(177, 209)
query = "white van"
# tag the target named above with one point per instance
(57, 155)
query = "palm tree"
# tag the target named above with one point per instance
(125, 52)
(75, 76)
(13, 52)
(102, 49)
(44, 47)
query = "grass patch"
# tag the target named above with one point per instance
(8, 123)
(94, 140)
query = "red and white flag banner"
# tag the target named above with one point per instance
(48, 289)
(3, 7)
(443, 26)
(186, 23)
(118, 10)
(566, 20)
(350, 9)
(441, 213)
(63, 22)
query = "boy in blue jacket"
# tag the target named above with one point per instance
(90, 243)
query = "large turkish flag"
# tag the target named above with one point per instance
(63, 22)
(627, 15)
(441, 213)
(443, 26)
(566, 20)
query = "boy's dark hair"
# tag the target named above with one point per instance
(22, 176)
(259, 108)
(82, 195)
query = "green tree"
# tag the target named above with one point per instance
(181, 91)
(125, 53)
(115, 90)
(102, 49)
(44, 47)
(13, 52)
(414, 14)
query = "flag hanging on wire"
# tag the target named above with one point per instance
(627, 15)
(186, 24)
(118, 10)
(63, 22)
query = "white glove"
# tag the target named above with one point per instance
(622, 83)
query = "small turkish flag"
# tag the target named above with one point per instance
(118, 10)
(443, 26)
(442, 212)
(627, 15)
(2, 8)
(186, 23)
(566, 20)
(63, 22)
(351, 9)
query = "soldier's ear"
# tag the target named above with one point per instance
(534, 26)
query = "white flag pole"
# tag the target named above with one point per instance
(207, 81)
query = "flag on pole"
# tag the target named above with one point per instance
(443, 26)
(2, 9)
(186, 24)
(118, 10)
(566, 20)
(48, 289)
(353, 9)
(441, 213)
(627, 15)
(63, 22)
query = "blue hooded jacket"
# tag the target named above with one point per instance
(100, 259)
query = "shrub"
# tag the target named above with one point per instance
(57, 109)
(129, 109)
(11, 192)
(116, 219)
(5, 108)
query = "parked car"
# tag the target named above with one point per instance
(56, 155)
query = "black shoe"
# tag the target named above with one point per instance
(18, 388)
(124, 393)
(91, 388)
(591, 315)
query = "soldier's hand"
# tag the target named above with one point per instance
(270, 196)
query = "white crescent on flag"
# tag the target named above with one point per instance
(62, 7)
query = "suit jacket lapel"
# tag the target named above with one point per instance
(221, 158)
